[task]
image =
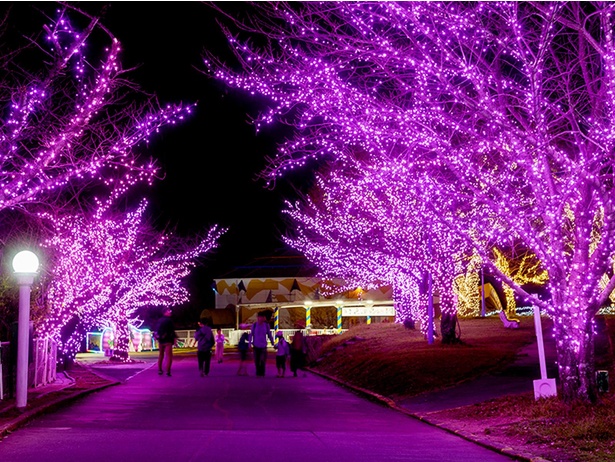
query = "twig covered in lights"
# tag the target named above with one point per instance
(72, 117)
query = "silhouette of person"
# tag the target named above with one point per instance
(220, 339)
(205, 341)
(243, 346)
(298, 352)
(166, 340)
(283, 350)
(259, 333)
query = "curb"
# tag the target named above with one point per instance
(501, 449)
(30, 414)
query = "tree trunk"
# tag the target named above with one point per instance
(575, 356)
(448, 328)
(72, 340)
(122, 341)
(404, 310)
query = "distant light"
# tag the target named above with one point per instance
(25, 262)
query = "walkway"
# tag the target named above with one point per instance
(224, 417)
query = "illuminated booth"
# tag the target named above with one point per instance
(317, 305)
(103, 342)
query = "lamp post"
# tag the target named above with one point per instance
(544, 387)
(25, 265)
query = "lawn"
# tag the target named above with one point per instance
(396, 362)
(392, 361)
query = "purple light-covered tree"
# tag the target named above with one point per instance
(366, 226)
(70, 116)
(109, 264)
(71, 119)
(503, 105)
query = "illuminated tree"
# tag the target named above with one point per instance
(504, 106)
(70, 116)
(72, 120)
(522, 268)
(366, 226)
(107, 266)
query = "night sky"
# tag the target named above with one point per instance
(212, 159)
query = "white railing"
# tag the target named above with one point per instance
(45, 357)
(41, 372)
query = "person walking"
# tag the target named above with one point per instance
(243, 346)
(166, 341)
(283, 350)
(259, 333)
(205, 341)
(220, 339)
(298, 352)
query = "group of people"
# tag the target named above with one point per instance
(260, 332)
(296, 350)
(257, 338)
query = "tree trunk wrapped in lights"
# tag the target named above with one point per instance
(122, 339)
(504, 108)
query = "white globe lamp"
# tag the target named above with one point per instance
(25, 262)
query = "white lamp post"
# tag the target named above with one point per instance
(25, 265)
(544, 387)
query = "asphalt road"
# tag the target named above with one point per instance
(225, 417)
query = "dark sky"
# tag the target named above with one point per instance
(212, 159)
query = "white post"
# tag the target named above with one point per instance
(23, 337)
(541, 344)
(483, 308)
(25, 265)
(544, 387)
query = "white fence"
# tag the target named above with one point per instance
(45, 359)
(41, 371)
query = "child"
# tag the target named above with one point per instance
(282, 353)
(219, 345)
(243, 346)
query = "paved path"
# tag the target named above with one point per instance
(224, 417)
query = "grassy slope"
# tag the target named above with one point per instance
(397, 362)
